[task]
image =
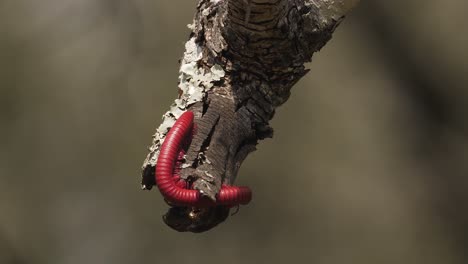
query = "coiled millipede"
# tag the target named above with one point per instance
(174, 189)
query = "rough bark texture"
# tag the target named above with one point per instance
(241, 61)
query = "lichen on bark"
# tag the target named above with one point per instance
(240, 63)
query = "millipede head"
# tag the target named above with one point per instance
(196, 220)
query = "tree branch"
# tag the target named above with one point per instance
(241, 61)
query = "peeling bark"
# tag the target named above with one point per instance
(240, 63)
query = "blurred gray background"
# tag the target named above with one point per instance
(373, 142)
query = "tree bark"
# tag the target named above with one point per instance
(240, 63)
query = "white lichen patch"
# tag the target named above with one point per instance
(191, 26)
(184, 166)
(217, 72)
(332, 9)
(193, 52)
(194, 82)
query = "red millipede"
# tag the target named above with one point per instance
(173, 188)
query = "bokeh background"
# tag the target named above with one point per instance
(373, 142)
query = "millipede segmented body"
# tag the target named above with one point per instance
(173, 188)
